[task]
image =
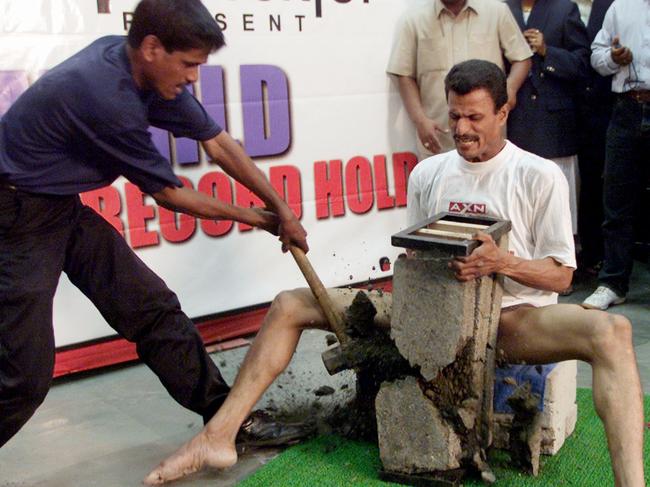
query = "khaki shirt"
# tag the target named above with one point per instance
(431, 40)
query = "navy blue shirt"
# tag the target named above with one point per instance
(85, 122)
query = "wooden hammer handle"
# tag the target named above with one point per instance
(320, 293)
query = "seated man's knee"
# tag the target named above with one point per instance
(291, 308)
(612, 335)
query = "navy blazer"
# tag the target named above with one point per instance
(599, 86)
(544, 120)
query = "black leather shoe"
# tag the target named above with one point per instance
(260, 429)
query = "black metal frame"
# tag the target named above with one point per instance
(407, 239)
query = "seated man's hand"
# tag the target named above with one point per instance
(484, 260)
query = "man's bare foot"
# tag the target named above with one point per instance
(200, 452)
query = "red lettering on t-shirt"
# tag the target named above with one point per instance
(463, 207)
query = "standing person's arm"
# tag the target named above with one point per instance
(280, 220)
(427, 129)
(608, 56)
(568, 59)
(516, 77)
(403, 65)
(515, 49)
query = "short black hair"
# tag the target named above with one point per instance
(475, 74)
(180, 25)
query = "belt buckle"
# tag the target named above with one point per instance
(6, 185)
(640, 96)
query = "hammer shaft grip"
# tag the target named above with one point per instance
(320, 293)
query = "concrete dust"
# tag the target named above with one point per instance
(526, 430)
(451, 392)
(375, 359)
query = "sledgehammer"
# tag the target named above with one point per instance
(335, 358)
(320, 293)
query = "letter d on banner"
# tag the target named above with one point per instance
(265, 102)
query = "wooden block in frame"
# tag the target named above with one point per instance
(450, 232)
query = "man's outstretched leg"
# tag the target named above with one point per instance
(563, 332)
(141, 308)
(290, 313)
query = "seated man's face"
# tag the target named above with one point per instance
(476, 128)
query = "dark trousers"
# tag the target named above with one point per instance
(594, 114)
(41, 236)
(626, 170)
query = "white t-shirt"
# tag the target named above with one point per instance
(514, 185)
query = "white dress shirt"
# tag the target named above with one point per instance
(630, 21)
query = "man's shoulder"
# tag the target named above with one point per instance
(419, 13)
(429, 167)
(488, 6)
(97, 67)
(104, 52)
(531, 165)
(622, 7)
(103, 89)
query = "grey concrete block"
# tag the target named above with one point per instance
(413, 437)
(432, 312)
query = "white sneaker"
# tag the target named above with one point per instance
(602, 298)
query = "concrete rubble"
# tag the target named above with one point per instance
(447, 330)
(414, 436)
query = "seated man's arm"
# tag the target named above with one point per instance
(546, 274)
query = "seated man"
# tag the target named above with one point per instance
(512, 184)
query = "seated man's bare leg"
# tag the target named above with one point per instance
(290, 313)
(565, 331)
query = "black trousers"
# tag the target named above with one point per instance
(626, 173)
(594, 114)
(41, 236)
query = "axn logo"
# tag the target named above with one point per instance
(463, 208)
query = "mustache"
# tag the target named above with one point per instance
(466, 138)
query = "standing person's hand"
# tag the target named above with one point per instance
(621, 55)
(266, 220)
(287, 227)
(292, 232)
(535, 39)
(428, 131)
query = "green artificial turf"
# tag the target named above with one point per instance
(332, 461)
